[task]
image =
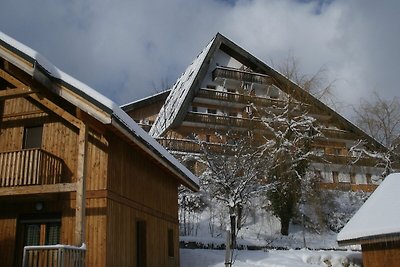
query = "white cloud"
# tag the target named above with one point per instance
(122, 48)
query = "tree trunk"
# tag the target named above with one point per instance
(285, 225)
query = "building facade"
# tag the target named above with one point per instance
(76, 170)
(219, 92)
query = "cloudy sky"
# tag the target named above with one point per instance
(127, 48)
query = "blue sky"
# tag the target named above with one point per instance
(125, 49)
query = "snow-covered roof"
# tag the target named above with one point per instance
(105, 104)
(178, 95)
(160, 96)
(378, 217)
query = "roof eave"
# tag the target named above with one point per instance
(372, 239)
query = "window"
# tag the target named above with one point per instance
(33, 137)
(335, 177)
(171, 247)
(233, 114)
(141, 254)
(211, 111)
(353, 178)
(208, 137)
(46, 231)
(194, 109)
(369, 178)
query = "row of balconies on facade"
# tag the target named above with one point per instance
(214, 120)
(193, 146)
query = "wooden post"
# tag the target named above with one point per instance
(80, 221)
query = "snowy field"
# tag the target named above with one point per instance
(271, 258)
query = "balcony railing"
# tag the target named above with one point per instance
(243, 99)
(29, 167)
(337, 134)
(54, 256)
(345, 160)
(191, 146)
(220, 120)
(241, 75)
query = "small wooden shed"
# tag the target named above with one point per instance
(376, 226)
(80, 181)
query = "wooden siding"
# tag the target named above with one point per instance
(381, 254)
(61, 140)
(140, 190)
(7, 239)
(122, 234)
(136, 177)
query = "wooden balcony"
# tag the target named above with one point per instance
(213, 96)
(345, 160)
(239, 98)
(54, 255)
(337, 134)
(29, 167)
(349, 187)
(220, 120)
(241, 75)
(191, 146)
(31, 171)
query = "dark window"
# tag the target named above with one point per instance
(212, 111)
(208, 137)
(46, 233)
(335, 177)
(33, 137)
(141, 244)
(233, 114)
(353, 178)
(171, 243)
(194, 109)
(209, 86)
(369, 178)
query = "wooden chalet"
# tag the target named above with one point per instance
(80, 182)
(215, 93)
(376, 226)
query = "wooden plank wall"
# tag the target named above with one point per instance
(132, 175)
(139, 190)
(7, 239)
(381, 254)
(121, 240)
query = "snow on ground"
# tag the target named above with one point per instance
(270, 258)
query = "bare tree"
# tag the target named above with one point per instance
(287, 147)
(316, 84)
(380, 118)
(233, 178)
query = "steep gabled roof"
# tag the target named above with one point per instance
(184, 90)
(378, 220)
(161, 96)
(101, 108)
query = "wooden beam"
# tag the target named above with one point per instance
(37, 189)
(58, 111)
(81, 172)
(14, 93)
(14, 81)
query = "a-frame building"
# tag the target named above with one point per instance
(214, 94)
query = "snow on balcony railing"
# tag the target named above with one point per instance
(54, 256)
